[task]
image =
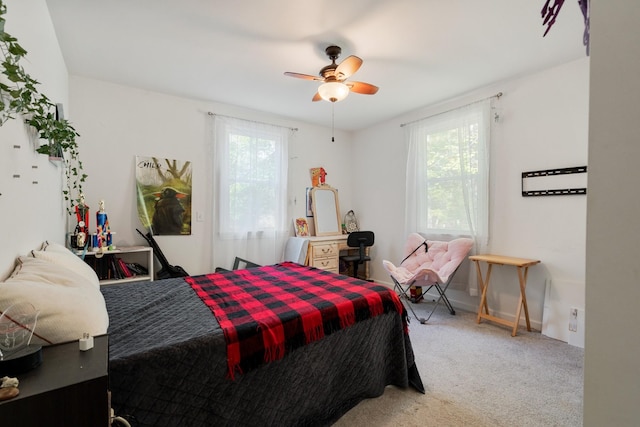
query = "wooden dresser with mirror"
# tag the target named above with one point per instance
(325, 246)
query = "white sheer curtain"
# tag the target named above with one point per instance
(250, 163)
(448, 174)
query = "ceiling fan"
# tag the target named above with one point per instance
(335, 87)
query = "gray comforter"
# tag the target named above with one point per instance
(168, 365)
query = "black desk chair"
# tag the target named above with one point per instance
(361, 240)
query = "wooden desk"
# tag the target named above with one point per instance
(522, 264)
(324, 253)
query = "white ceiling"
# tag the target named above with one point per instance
(419, 52)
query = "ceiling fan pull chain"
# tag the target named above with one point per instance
(332, 122)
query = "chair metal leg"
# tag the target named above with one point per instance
(402, 293)
(442, 297)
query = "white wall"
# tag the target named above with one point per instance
(612, 351)
(117, 123)
(543, 125)
(29, 212)
(546, 112)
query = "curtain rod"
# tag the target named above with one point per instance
(497, 95)
(252, 121)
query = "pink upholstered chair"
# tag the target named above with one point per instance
(428, 264)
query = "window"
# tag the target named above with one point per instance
(251, 170)
(250, 189)
(447, 173)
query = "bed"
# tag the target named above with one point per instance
(176, 359)
(169, 365)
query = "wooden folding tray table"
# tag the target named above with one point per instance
(522, 264)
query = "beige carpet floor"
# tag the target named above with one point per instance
(479, 375)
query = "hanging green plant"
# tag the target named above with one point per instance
(19, 97)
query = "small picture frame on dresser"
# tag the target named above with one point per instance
(301, 227)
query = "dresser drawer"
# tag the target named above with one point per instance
(324, 253)
(325, 250)
(326, 263)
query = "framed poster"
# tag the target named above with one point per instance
(163, 189)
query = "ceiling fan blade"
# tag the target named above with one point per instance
(347, 67)
(302, 76)
(316, 97)
(363, 88)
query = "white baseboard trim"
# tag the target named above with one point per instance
(536, 324)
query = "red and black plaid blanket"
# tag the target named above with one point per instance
(267, 311)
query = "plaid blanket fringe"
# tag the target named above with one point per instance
(268, 311)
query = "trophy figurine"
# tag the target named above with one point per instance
(80, 238)
(103, 230)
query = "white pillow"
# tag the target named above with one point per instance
(65, 313)
(63, 289)
(54, 247)
(62, 256)
(30, 269)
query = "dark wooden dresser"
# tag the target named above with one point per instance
(69, 388)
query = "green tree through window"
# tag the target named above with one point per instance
(447, 172)
(253, 166)
(451, 170)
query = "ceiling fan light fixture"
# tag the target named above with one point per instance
(333, 91)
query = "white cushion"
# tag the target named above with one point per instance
(54, 247)
(62, 256)
(30, 269)
(433, 265)
(65, 312)
(68, 300)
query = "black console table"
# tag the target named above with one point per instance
(69, 388)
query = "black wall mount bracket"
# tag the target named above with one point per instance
(555, 176)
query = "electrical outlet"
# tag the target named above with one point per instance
(573, 320)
